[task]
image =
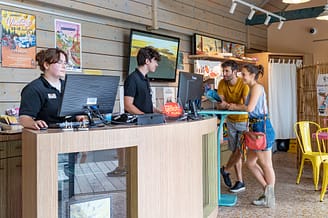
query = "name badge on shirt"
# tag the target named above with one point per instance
(52, 95)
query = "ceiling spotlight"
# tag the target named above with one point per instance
(251, 14)
(233, 7)
(294, 1)
(267, 20)
(281, 23)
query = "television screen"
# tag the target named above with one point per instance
(167, 46)
(81, 91)
(190, 91)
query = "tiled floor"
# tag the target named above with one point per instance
(291, 200)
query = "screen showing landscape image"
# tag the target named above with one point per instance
(167, 46)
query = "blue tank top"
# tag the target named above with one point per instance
(261, 108)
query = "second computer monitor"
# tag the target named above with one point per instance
(190, 91)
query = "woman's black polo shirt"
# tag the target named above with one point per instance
(137, 86)
(41, 101)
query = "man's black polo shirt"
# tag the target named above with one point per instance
(137, 86)
(41, 101)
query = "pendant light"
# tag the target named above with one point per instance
(294, 1)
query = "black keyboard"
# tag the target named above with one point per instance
(142, 119)
(65, 125)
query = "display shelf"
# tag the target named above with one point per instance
(220, 58)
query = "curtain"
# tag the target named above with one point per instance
(282, 98)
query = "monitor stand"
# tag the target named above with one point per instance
(193, 115)
(93, 113)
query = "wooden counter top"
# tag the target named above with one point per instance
(166, 167)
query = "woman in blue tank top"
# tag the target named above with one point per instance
(259, 161)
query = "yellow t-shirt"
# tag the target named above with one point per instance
(234, 94)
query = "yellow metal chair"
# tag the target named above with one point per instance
(322, 141)
(303, 131)
(324, 180)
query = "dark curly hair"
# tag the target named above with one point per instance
(149, 53)
(230, 63)
(50, 56)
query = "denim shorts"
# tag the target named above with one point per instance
(235, 131)
(269, 132)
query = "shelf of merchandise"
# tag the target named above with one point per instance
(220, 58)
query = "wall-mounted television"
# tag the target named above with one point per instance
(167, 46)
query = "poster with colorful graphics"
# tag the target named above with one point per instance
(68, 38)
(322, 94)
(18, 40)
(209, 70)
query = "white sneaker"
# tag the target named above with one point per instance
(261, 201)
(269, 194)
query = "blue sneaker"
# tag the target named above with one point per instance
(238, 187)
(226, 177)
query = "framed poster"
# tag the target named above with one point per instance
(205, 45)
(68, 38)
(18, 40)
(209, 70)
(237, 50)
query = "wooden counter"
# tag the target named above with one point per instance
(166, 167)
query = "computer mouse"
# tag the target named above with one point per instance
(43, 128)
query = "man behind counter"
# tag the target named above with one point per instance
(137, 95)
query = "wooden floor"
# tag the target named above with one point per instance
(91, 182)
(92, 178)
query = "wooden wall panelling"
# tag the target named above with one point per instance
(197, 20)
(123, 10)
(10, 91)
(106, 27)
(18, 75)
(257, 37)
(91, 45)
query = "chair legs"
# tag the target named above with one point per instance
(316, 171)
(324, 181)
(300, 171)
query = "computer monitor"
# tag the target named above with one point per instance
(190, 91)
(85, 94)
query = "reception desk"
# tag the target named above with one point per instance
(171, 167)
